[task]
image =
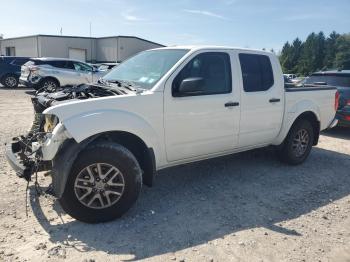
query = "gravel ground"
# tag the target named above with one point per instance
(244, 207)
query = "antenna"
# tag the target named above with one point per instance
(92, 73)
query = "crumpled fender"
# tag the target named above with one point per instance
(86, 124)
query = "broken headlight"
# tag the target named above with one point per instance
(50, 123)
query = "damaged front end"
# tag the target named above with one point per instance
(35, 151)
(22, 159)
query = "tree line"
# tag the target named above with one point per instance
(316, 53)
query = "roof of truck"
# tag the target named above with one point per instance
(199, 47)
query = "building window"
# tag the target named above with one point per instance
(10, 51)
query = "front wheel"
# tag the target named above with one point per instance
(104, 183)
(297, 145)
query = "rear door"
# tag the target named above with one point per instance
(206, 122)
(64, 71)
(262, 99)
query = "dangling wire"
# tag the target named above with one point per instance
(38, 189)
(27, 198)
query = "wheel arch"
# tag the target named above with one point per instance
(3, 77)
(312, 118)
(52, 78)
(9, 74)
(144, 154)
(69, 151)
(309, 115)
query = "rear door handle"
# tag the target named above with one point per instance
(274, 100)
(230, 104)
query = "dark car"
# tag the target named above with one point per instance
(341, 80)
(10, 70)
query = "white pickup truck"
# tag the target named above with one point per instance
(162, 108)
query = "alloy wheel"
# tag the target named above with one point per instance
(99, 185)
(300, 142)
(10, 81)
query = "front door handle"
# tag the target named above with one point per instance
(230, 104)
(274, 100)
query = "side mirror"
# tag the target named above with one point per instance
(191, 86)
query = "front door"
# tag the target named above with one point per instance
(203, 121)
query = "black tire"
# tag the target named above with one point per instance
(49, 84)
(10, 81)
(112, 154)
(288, 151)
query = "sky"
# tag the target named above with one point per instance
(242, 23)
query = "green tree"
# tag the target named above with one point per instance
(318, 52)
(342, 47)
(307, 61)
(296, 50)
(285, 58)
(330, 50)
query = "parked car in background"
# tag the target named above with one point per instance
(341, 80)
(50, 73)
(106, 66)
(161, 108)
(10, 70)
(290, 76)
(293, 78)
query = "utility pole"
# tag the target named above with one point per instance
(1, 37)
(91, 42)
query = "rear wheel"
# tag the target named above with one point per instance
(49, 84)
(10, 81)
(298, 144)
(104, 183)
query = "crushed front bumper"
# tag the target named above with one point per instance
(21, 164)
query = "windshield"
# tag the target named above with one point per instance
(146, 68)
(341, 80)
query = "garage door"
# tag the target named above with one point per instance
(78, 54)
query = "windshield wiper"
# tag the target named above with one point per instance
(127, 84)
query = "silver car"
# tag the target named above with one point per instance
(50, 73)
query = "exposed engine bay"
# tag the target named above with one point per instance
(60, 95)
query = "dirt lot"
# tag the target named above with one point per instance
(244, 207)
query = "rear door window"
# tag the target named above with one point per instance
(58, 64)
(257, 72)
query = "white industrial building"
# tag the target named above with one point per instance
(103, 49)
